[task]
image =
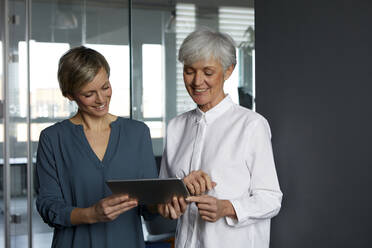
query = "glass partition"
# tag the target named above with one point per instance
(146, 50)
(2, 167)
(158, 30)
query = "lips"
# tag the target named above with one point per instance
(101, 107)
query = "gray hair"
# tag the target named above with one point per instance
(77, 67)
(205, 44)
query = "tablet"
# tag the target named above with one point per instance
(150, 191)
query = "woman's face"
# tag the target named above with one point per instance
(94, 98)
(204, 81)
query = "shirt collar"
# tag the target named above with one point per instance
(214, 112)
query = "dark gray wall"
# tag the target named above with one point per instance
(314, 85)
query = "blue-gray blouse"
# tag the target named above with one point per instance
(70, 175)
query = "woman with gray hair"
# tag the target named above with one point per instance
(78, 155)
(223, 153)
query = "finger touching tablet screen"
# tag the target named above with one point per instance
(149, 191)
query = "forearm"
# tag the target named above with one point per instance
(82, 216)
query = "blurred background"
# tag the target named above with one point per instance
(312, 64)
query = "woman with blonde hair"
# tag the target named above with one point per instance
(77, 156)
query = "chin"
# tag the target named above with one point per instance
(200, 100)
(201, 104)
(103, 113)
(96, 113)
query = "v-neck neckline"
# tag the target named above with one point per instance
(89, 148)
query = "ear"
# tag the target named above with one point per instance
(228, 72)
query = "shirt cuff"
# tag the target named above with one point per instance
(66, 217)
(232, 221)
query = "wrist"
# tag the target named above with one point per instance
(80, 216)
(228, 209)
(90, 215)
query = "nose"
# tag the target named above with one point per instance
(99, 98)
(198, 79)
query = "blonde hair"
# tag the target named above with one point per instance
(77, 67)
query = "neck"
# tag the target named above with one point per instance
(212, 104)
(92, 123)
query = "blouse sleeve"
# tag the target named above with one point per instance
(50, 202)
(263, 201)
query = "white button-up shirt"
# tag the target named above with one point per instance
(232, 144)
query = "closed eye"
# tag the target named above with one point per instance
(88, 95)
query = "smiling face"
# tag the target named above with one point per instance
(94, 97)
(204, 81)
